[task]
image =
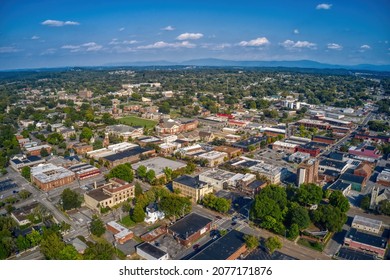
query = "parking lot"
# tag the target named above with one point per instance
(350, 254)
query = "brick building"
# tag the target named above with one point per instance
(307, 172)
(49, 176)
(191, 187)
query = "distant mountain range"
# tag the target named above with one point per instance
(238, 63)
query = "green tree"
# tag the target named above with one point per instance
(99, 251)
(70, 199)
(175, 206)
(97, 226)
(273, 243)
(141, 171)
(151, 176)
(218, 204)
(298, 215)
(329, 217)
(384, 207)
(22, 243)
(26, 172)
(252, 242)
(123, 172)
(138, 190)
(309, 194)
(86, 134)
(138, 213)
(51, 245)
(44, 152)
(293, 232)
(365, 202)
(337, 199)
(69, 253)
(168, 173)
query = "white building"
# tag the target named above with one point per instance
(153, 214)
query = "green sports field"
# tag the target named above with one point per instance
(135, 121)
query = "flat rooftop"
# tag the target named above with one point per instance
(367, 222)
(127, 153)
(98, 194)
(222, 248)
(217, 174)
(365, 238)
(213, 155)
(49, 172)
(151, 250)
(158, 164)
(189, 225)
(192, 182)
(284, 144)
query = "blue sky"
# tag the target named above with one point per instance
(51, 33)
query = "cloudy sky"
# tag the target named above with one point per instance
(51, 33)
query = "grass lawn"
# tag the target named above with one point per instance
(127, 222)
(311, 244)
(135, 121)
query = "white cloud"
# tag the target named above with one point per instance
(168, 28)
(34, 37)
(289, 44)
(163, 45)
(58, 23)
(365, 47)
(49, 51)
(334, 46)
(324, 6)
(125, 42)
(131, 42)
(9, 50)
(296, 31)
(89, 47)
(216, 47)
(258, 42)
(121, 29)
(189, 36)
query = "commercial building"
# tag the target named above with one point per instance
(157, 164)
(121, 234)
(190, 228)
(367, 224)
(131, 156)
(82, 148)
(84, 171)
(298, 157)
(250, 143)
(340, 185)
(150, 252)
(334, 165)
(323, 139)
(366, 242)
(191, 187)
(314, 123)
(109, 194)
(365, 152)
(217, 178)
(229, 247)
(111, 150)
(18, 162)
(357, 182)
(49, 176)
(384, 178)
(284, 146)
(214, 158)
(231, 151)
(36, 150)
(307, 172)
(309, 148)
(125, 131)
(174, 126)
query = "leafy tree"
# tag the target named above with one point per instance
(293, 231)
(138, 213)
(69, 253)
(219, 204)
(175, 205)
(151, 176)
(98, 144)
(365, 202)
(99, 251)
(309, 194)
(384, 207)
(168, 173)
(86, 134)
(138, 190)
(22, 243)
(26, 172)
(51, 245)
(55, 138)
(97, 226)
(123, 172)
(251, 242)
(337, 199)
(141, 171)
(70, 199)
(44, 152)
(273, 243)
(329, 217)
(298, 215)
